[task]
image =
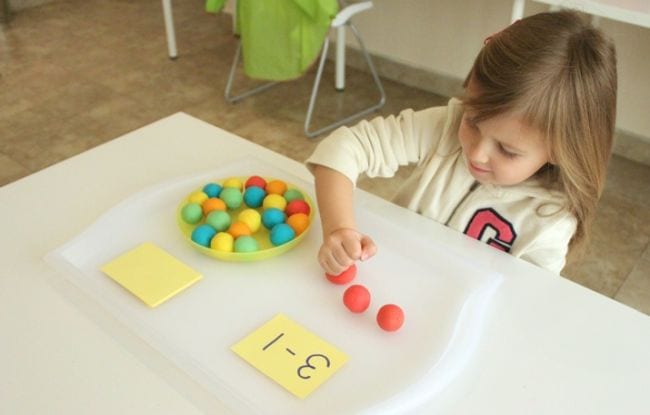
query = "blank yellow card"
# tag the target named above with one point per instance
(290, 355)
(151, 274)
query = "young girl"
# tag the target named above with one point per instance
(518, 162)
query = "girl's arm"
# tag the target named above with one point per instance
(377, 148)
(342, 243)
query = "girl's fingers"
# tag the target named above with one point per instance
(368, 248)
(353, 248)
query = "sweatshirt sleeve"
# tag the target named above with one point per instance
(550, 248)
(380, 146)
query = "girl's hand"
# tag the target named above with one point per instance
(342, 247)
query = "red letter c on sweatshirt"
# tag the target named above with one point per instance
(488, 218)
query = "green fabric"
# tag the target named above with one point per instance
(282, 38)
(214, 6)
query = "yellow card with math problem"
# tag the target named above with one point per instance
(291, 355)
(151, 274)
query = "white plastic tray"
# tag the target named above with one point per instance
(444, 297)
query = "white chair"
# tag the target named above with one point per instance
(339, 23)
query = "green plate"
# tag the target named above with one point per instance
(267, 249)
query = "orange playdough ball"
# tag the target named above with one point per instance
(298, 222)
(277, 187)
(212, 204)
(238, 229)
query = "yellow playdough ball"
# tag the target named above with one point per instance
(252, 218)
(222, 241)
(274, 201)
(233, 182)
(198, 197)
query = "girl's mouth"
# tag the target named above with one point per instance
(477, 169)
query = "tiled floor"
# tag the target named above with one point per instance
(74, 74)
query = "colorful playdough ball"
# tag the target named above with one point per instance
(390, 317)
(192, 213)
(272, 217)
(281, 234)
(203, 234)
(198, 197)
(212, 189)
(232, 197)
(356, 298)
(344, 277)
(233, 182)
(274, 200)
(219, 220)
(293, 194)
(277, 187)
(246, 243)
(256, 181)
(251, 218)
(297, 206)
(211, 204)
(299, 222)
(238, 229)
(223, 242)
(254, 196)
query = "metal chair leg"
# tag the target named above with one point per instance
(231, 78)
(314, 92)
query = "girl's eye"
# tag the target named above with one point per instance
(507, 153)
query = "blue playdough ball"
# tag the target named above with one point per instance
(192, 213)
(272, 217)
(212, 189)
(282, 233)
(253, 196)
(203, 234)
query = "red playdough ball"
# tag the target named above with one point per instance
(297, 206)
(344, 277)
(390, 317)
(356, 298)
(255, 181)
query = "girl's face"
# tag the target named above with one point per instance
(501, 150)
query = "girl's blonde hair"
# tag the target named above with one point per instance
(559, 73)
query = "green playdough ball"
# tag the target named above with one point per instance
(219, 220)
(293, 194)
(192, 213)
(246, 243)
(232, 197)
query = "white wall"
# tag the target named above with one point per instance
(443, 36)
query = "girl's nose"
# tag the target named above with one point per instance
(479, 152)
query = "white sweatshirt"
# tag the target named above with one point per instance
(526, 220)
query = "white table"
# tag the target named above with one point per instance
(549, 346)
